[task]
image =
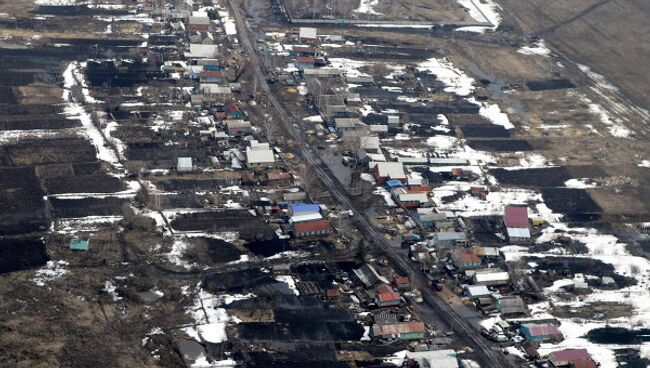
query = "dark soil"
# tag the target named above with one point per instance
(268, 248)
(84, 184)
(513, 145)
(485, 131)
(549, 84)
(20, 254)
(109, 206)
(570, 201)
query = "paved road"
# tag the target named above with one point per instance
(490, 355)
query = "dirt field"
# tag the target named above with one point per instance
(418, 10)
(611, 37)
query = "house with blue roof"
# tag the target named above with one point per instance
(304, 208)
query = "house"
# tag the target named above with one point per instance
(384, 171)
(238, 128)
(259, 155)
(184, 164)
(368, 276)
(232, 111)
(511, 306)
(370, 144)
(578, 358)
(79, 244)
(388, 299)
(541, 332)
(465, 258)
(401, 331)
(200, 50)
(312, 228)
(211, 77)
(307, 35)
(426, 217)
(345, 124)
(409, 199)
(305, 62)
(491, 277)
(198, 24)
(515, 219)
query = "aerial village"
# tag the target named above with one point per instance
(200, 179)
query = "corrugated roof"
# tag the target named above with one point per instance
(542, 329)
(304, 207)
(318, 225)
(518, 232)
(392, 170)
(568, 355)
(516, 216)
(389, 296)
(400, 328)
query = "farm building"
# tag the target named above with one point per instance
(312, 228)
(541, 332)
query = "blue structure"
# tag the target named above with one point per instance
(79, 244)
(302, 208)
(393, 184)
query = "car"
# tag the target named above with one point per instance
(320, 146)
(517, 339)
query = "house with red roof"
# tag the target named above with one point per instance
(575, 358)
(515, 219)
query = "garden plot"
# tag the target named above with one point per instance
(20, 254)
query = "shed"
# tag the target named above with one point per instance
(184, 164)
(477, 291)
(308, 34)
(79, 244)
